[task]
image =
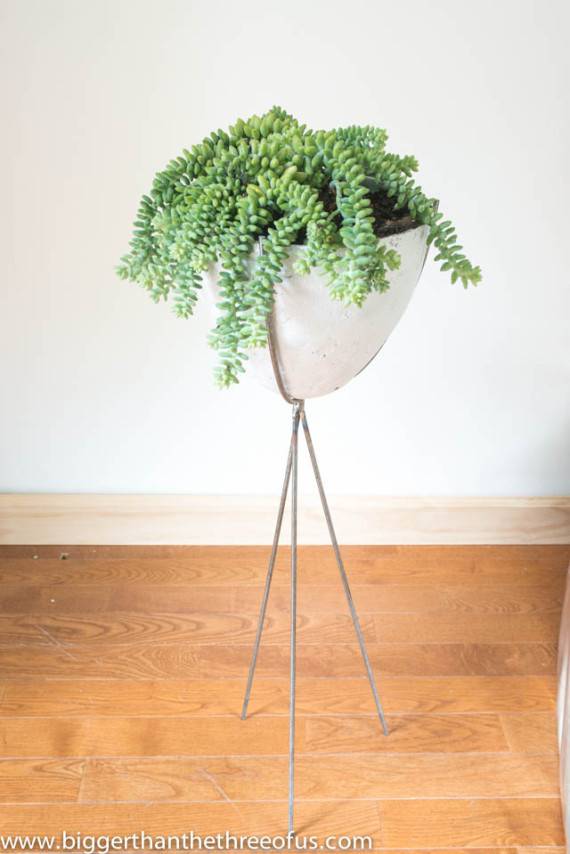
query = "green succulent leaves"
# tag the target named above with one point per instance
(268, 176)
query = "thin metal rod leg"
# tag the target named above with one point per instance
(269, 576)
(343, 574)
(297, 410)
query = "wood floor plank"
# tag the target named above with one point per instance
(472, 823)
(85, 697)
(213, 565)
(449, 695)
(435, 775)
(326, 818)
(550, 849)
(198, 661)
(473, 556)
(208, 736)
(199, 627)
(456, 694)
(408, 733)
(151, 736)
(222, 778)
(95, 599)
(411, 599)
(193, 627)
(37, 780)
(540, 598)
(531, 732)
(322, 777)
(472, 628)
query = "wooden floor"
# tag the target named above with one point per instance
(122, 671)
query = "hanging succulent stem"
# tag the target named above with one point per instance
(270, 177)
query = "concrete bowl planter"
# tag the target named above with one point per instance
(320, 344)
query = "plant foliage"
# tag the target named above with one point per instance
(269, 177)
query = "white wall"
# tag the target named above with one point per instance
(103, 391)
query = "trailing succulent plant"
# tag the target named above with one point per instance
(273, 178)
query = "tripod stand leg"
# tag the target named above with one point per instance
(268, 578)
(343, 575)
(297, 411)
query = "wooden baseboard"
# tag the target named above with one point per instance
(225, 519)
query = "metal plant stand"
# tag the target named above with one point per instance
(299, 417)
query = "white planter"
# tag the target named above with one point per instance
(319, 343)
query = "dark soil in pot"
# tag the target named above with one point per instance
(387, 219)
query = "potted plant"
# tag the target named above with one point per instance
(313, 242)
(325, 228)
